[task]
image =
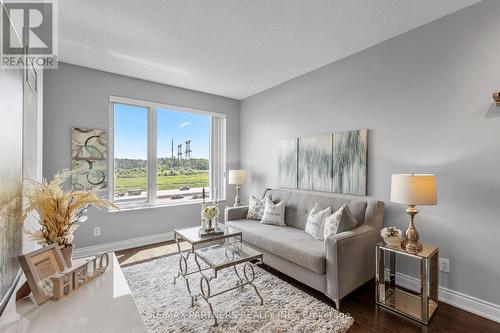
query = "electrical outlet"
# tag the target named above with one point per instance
(444, 265)
(97, 231)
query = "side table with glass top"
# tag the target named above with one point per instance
(418, 306)
(195, 240)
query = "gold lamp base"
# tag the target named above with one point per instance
(411, 243)
(411, 247)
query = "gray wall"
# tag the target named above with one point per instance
(426, 98)
(79, 97)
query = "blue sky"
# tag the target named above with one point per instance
(131, 132)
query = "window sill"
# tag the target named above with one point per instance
(142, 206)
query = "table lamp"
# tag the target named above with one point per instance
(412, 190)
(238, 178)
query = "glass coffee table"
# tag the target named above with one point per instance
(195, 240)
(224, 256)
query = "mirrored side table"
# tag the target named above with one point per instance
(418, 306)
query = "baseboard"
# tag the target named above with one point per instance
(460, 300)
(123, 245)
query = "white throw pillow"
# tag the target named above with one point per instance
(256, 208)
(274, 214)
(340, 221)
(315, 224)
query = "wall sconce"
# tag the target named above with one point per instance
(496, 97)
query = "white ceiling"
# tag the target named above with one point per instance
(233, 48)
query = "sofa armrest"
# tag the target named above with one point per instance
(235, 213)
(350, 260)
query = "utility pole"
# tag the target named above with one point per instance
(188, 149)
(179, 153)
(173, 152)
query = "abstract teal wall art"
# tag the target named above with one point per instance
(349, 162)
(89, 159)
(315, 163)
(328, 163)
(287, 163)
(11, 180)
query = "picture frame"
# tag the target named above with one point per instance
(39, 266)
(89, 159)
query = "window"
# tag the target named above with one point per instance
(165, 154)
(131, 152)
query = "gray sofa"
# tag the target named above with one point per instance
(336, 266)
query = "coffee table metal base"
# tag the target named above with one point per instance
(184, 273)
(205, 289)
(235, 254)
(191, 235)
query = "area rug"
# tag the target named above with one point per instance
(166, 307)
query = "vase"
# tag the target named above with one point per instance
(67, 252)
(215, 222)
(210, 225)
(392, 241)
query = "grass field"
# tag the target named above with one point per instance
(199, 179)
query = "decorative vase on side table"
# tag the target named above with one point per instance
(391, 236)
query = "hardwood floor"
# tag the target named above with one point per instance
(360, 304)
(146, 253)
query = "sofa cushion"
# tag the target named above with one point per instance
(256, 208)
(274, 213)
(299, 203)
(289, 243)
(340, 221)
(316, 222)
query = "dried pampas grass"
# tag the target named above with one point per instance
(58, 212)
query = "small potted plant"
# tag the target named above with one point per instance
(391, 236)
(58, 212)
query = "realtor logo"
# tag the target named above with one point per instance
(29, 29)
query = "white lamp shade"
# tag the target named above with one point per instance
(237, 177)
(414, 189)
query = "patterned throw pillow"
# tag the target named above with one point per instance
(316, 221)
(256, 208)
(274, 214)
(340, 221)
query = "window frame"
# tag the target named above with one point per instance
(217, 153)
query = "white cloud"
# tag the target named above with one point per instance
(184, 124)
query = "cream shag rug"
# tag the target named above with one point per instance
(166, 307)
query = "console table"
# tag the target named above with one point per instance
(104, 305)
